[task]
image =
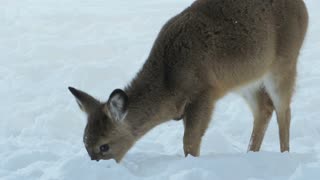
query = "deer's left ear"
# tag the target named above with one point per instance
(117, 105)
(86, 102)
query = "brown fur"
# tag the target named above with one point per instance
(211, 48)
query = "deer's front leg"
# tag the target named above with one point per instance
(196, 120)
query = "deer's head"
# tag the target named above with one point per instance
(107, 134)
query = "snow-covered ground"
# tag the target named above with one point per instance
(99, 45)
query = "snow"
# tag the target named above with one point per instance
(99, 45)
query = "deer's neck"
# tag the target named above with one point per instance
(150, 103)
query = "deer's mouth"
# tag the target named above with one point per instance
(105, 157)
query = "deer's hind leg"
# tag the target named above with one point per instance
(280, 85)
(262, 108)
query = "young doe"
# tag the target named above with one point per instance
(213, 47)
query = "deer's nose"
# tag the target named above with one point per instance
(95, 158)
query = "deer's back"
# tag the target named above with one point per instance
(227, 43)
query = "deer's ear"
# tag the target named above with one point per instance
(86, 102)
(117, 105)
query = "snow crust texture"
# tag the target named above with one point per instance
(98, 46)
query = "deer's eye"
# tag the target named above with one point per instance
(104, 148)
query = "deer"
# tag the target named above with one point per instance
(210, 49)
